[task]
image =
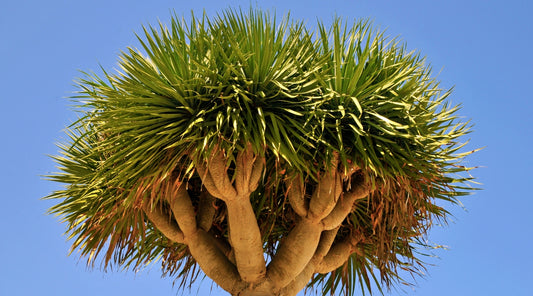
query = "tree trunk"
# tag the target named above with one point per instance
(264, 288)
(256, 293)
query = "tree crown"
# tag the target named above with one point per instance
(343, 97)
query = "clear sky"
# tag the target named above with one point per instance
(482, 47)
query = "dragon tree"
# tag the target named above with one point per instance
(272, 156)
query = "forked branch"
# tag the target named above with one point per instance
(325, 210)
(345, 204)
(202, 245)
(244, 234)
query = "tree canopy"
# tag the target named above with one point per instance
(209, 102)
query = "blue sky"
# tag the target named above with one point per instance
(481, 47)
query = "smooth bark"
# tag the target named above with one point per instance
(325, 196)
(244, 234)
(300, 281)
(213, 262)
(246, 241)
(163, 222)
(206, 211)
(296, 195)
(345, 204)
(294, 253)
(336, 256)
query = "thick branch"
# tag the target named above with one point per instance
(244, 234)
(248, 171)
(257, 172)
(299, 282)
(163, 222)
(326, 194)
(301, 251)
(300, 246)
(296, 194)
(337, 256)
(182, 208)
(246, 240)
(217, 169)
(202, 245)
(225, 248)
(294, 253)
(213, 262)
(207, 180)
(345, 204)
(326, 240)
(206, 211)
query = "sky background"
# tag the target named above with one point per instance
(482, 47)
